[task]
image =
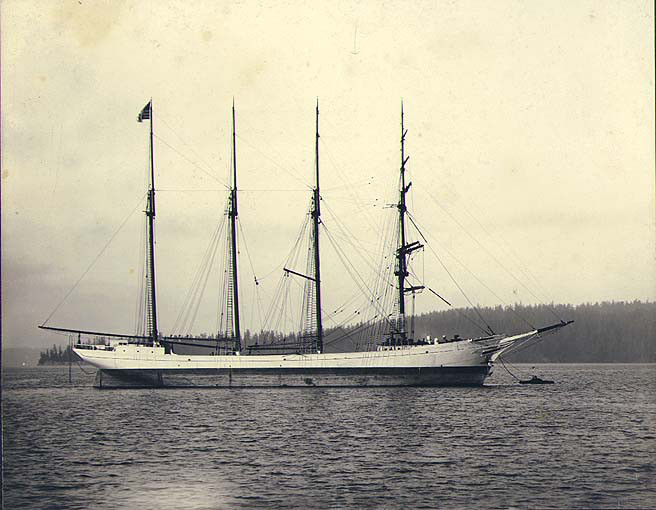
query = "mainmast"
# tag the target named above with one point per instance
(233, 237)
(404, 249)
(316, 213)
(147, 113)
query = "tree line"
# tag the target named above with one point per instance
(57, 355)
(606, 332)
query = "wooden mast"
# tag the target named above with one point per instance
(402, 269)
(150, 213)
(316, 213)
(404, 249)
(233, 236)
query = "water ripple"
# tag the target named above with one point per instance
(585, 442)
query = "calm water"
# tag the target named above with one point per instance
(586, 442)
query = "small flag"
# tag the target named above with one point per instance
(145, 113)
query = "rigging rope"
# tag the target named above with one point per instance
(521, 266)
(474, 308)
(95, 259)
(189, 308)
(162, 119)
(507, 370)
(139, 317)
(499, 263)
(256, 295)
(349, 237)
(515, 367)
(464, 315)
(477, 279)
(191, 161)
(364, 211)
(78, 364)
(352, 271)
(241, 139)
(357, 329)
(281, 296)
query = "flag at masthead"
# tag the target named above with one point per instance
(145, 113)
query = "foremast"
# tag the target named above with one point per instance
(151, 294)
(233, 294)
(400, 335)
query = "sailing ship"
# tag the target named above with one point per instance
(395, 359)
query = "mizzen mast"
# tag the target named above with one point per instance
(151, 295)
(316, 213)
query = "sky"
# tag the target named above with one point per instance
(530, 136)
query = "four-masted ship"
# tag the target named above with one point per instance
(154, 360)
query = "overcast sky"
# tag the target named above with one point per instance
(530, 136)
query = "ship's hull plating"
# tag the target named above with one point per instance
(290, 377)
(462, 363)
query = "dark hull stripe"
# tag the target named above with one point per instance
(290, 377)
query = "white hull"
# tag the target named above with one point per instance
(465, 362)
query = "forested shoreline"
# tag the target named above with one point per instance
(58, 356)
(607, 332)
